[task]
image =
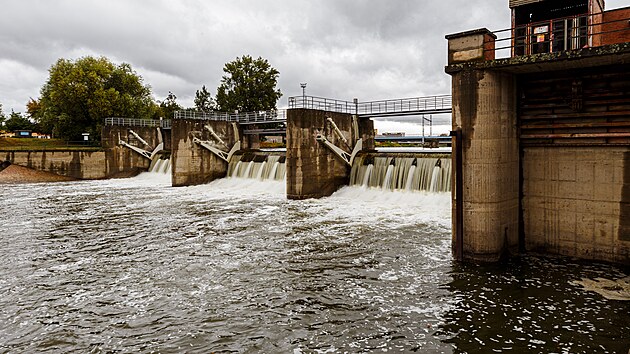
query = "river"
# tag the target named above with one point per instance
(133, 265)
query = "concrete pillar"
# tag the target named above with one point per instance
(313, 170)
(192, 164)
(484, 107)
(475, 45)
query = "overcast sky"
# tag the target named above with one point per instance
(342, 49)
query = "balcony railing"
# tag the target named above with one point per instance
(558, 35)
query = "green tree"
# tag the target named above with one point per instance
(248, 85)
(2, 117)
(79, 94)
(17, 121)
(169, 106)
(203, 100)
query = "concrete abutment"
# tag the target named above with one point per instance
(545, 143)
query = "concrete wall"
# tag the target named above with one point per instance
(484, 107)
(113, 161)
(314, 171)
(576, 201)
(75, 164)
(191, 163)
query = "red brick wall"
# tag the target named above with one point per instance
(621, 26)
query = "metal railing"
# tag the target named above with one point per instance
(416, 105)
(399, 106)
(323, 104)
(274, 116)
(554, 35)
(135, 122)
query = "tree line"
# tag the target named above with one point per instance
(79, 94)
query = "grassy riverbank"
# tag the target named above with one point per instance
(34, 144)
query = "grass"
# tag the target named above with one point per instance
(30, 144)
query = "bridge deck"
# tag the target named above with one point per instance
(373, 109)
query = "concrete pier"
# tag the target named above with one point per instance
(191, 163)
(121, 161)
(484, 108)
(313, 170)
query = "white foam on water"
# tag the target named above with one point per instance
(241, 187)
(397, 207)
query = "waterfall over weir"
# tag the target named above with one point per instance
(259, 167)
(160, 165)
(402, 173)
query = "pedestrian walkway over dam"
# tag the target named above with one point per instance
(374, 109)
(371, 109)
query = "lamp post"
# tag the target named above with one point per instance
(303, 86)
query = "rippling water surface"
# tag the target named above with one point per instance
(134, 265)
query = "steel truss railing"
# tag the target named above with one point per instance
(275, 116)
(136, 122)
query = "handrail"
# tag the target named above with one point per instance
(323, 104)
(553, 35)
(240, 117)
(414, 104)
(136, 122)
(398, 105)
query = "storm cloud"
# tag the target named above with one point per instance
(342, 48)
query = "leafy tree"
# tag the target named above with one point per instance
(169, 106)
(79, 94)
(2, 117)
(17, 121)
(249, 85)
(203, 100)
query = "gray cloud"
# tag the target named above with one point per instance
(353, 48)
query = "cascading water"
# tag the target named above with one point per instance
(402, 173)
(160, 165)
(261, 167)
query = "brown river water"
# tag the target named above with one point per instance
(134, 265)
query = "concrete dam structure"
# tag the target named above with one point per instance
(541, 140)
(324, 150)
(543, 136)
